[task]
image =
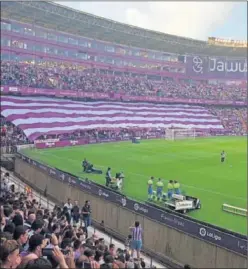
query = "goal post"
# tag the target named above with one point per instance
(177, 134)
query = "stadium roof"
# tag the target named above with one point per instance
(54, 16)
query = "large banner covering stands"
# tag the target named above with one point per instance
(216, 68)
(236, 243)
(24, 91)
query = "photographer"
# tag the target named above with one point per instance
(84, 164)
(108, 177)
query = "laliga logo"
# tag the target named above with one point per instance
(62, 177)
(197, 65)
(123, 202)
(136, 207)
(203, 232)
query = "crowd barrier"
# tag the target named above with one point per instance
(214, 235)
(112, 96)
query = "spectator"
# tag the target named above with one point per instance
(86, 212)
(30, 220)
(40, 263)
(68, 205)
(21, 236)
(9, 254)
(36, 243)
(136, 243)
(17, 220)
(8, 211)
(99, 257)
(112, 250)
(36, 227)
(67, 214)
(75, 213)
(9, 228)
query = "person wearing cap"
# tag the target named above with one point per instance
(170, 188)
(21, 236)
(150, 190)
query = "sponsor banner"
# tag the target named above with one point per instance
(77, 142)
(62, 143)
(46, 141)
(199, 70)
(193, 228)
(216, 68)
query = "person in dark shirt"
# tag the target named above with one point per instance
(67, 214)
(21, 236)
(84, 164)
(86, 212)
(108, 177)
(75, 213)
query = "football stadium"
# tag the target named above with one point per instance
(152, 124)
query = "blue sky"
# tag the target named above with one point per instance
(190, 19)
(236, 25)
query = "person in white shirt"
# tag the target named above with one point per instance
(69, 205)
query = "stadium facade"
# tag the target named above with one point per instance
(43, 32)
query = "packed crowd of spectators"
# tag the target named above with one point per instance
(234, 120)
(122, 134)
(36, 237)
(10, 136)
(93, 80)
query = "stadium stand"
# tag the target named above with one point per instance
(93, 80)
(47, 208)
(47, 46)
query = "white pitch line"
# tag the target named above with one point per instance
(145, 176)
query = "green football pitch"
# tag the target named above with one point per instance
(194, 163)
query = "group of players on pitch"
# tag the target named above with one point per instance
(173, 186)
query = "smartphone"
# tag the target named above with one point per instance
(47, 252)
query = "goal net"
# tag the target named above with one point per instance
(176, 134)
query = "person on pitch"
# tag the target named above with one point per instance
(150, 190)
(176, 187)
(222, 156)
(160, 186)
(170, 188)
(85, 164)
(108, 177)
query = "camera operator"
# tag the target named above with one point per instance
(85, 164)
(108, 177)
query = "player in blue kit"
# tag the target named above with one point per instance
(150, 190)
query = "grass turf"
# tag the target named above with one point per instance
(195, 164)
